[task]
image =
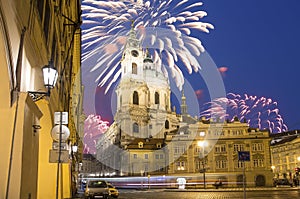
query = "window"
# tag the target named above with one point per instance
(198, 149)
(179, 149)
(238, 147)
(141, 145)
(167, 124)
(221, 164)
(257, 147)
(134, 53)
(258, 162)
(135, 98)
(237, 132)
(200, 164)
(239, 164)
(146, 156)
(134, 156)
(156, 98)
(220, 148)
(134, 68)
(157, 156)
(161, 156)
(158, 145)
(135, 127)
(180, 165)
(176, 150)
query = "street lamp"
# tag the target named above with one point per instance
(202, 144)
(50, 75)
(273, 168)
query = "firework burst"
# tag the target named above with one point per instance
(258, 112)
(107, 22)
(94, 127)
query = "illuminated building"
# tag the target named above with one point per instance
(149, 138)
(285, 154)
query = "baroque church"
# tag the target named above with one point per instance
(149, 137)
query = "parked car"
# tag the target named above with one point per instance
(282, 182)
(113, 191)
(97, 189)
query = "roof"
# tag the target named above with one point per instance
(282, 140)
(148, 143)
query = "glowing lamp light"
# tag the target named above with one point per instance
(50, 75)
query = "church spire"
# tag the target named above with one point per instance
(183, 105)
(132, 41)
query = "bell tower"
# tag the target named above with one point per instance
(132, 58)
(143, 94)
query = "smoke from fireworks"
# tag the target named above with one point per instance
(258, 112)
(106, 23)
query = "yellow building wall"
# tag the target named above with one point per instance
(47, 172)
(6, 122)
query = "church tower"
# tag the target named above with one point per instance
(183, 105)
(143, 94)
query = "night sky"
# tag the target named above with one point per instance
(255, 44)
(258, 41)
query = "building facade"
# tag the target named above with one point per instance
(286, 155)
(34, 34)
(149, 138)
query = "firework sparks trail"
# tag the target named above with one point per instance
(258, 112)
(105, 23)
(94, 127)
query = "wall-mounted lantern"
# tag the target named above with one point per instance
(50, 75)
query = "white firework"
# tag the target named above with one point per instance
(107, 22)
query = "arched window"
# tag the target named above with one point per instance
(135, 127)
(156, 98)
(134, 68)
(135, 98)
(167, 124)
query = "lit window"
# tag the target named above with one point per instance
(258, 162)
(180, 165)
(141, 145)
(158, 145)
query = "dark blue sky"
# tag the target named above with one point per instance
(258, 41)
